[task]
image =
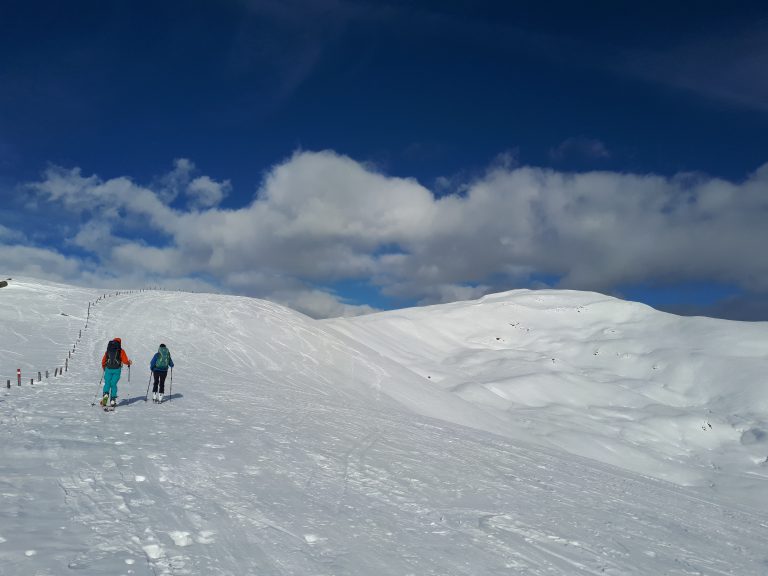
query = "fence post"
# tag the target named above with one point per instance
(18, 375)
(46, 374)
(39, 376)
(9, 383)
(66, 365)
(32, 381)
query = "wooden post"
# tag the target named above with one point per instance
(32, 381)
(9, 383)
(46, 374)
(66, 365)
(39, 376)
(18, 376)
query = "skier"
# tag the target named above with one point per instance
(159, 365)
(112, 363)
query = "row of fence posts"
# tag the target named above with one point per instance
(59, 371)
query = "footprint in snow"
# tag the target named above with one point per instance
(206, 537)
(153, 551)
(181, 538)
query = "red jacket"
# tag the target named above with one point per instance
(123, 358)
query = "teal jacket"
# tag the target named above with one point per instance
(154, 361)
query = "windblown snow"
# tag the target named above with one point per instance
(529, 432)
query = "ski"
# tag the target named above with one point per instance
(107, 404)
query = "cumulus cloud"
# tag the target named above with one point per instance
(101, 201)
(170, 185)
(94, 237)
(320, 304)
(200, 191)
(37, 262)
(320, 217)
(204, 192)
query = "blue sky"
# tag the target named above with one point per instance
(347, 156)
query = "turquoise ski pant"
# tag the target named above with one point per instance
(111, 376)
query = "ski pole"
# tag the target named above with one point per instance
(93, 403)
(146, 397)
(129, 373)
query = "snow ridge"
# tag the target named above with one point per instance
(289, 447)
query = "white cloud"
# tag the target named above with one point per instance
(442, 293)
(94, 237)
(104, 201)
(151, 260)
(320, 217)
(37, 262)
(170, 185)
(10, 235)
(320, 304)
(204, 192)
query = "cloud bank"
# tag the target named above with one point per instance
(320, 218)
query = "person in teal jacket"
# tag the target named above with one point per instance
(159, 365)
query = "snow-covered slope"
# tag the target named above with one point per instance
(288, 448)
(682, 399)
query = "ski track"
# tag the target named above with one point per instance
(259, 467)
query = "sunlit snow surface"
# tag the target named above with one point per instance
(680, 399)
(528, 433)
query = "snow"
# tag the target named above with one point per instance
(545, 432)
(679, 399)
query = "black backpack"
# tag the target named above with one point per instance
(113, 355)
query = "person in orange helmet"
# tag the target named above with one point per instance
(112, 363)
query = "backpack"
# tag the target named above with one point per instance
(163, 356)
(113, 355)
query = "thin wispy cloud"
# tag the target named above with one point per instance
(259, 41)
(728, 67)
(581, 148)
